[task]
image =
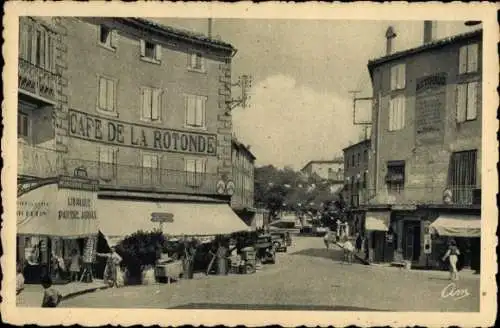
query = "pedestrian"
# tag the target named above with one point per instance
(19, 279)
(452, 255)
(51, 297)
(112, 270)
(349, 249)
(74, 267)
(359, 242)
(326, 238)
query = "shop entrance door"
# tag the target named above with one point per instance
(412, 241)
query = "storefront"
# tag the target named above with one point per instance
(53, 222)
(380, 240)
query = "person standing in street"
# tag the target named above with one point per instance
(359, 243)
(452, 256)
(327, 238)
(74, 267)
(112, 269)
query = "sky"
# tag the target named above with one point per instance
(303, 70)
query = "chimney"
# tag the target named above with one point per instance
(389, 35)
(429, 31)
(210, 28)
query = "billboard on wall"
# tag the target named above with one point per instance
(59, 212)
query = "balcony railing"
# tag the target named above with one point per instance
(37, 80)
(129, 177)
(37, 161)
(460, 195)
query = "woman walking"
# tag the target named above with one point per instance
(452, 255)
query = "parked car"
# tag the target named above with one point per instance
(279, 240)
(264, 249)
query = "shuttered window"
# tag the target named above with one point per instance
(196, 62)
(150, 169)
(467, 101)
(106, 101)
(463, 175)
(397, 112)
(150, 50)
(195, 111)
(36, 45)
(468, 59)
(107, 163)
(395, 178)
(398, 77)
(195, 171)
(151, 104)
(107, 36)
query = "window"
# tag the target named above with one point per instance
(107, 163)
(365, 178)
(365, 156)
(468, 59)
(107, 37)
(395, 178)
(463, 170)
(150, 168)
(352, 161)
(22, 125)
(467, 101)
(150, 51)
(195, 111)
(359, 159)
(397, 113)
(196, 62)
(37, 45)
(151, 104)
(195, 169)
(107, 90)
(398, 77)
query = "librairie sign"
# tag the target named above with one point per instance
(100, 129)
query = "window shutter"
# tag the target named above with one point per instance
(190, 110)
(146, 102)
(102, 93)
(472, 57)
(472, 91)
(190, 165)
(199, 111)
(143, 48)
(391, 115)
(402, 111)
(461, 102)
(401, 76)
(110, 95)
(156, 104)
(192, 63)
(462, 60)
(42, 48)
(202, 61)
(32, 44)
(158, 52)
(393, 78)
(114, 38)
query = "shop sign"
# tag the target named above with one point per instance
(100, 129)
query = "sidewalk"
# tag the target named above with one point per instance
(32, 294)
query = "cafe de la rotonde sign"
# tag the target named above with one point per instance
(95, 128)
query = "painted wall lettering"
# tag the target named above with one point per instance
(93, 128)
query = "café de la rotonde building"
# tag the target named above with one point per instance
(142, 115)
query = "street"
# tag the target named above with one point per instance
(307, 277)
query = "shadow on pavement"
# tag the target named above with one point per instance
(219, 306)
(334, 254)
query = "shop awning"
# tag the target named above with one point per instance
(57, 212)
(377, 221)
(457, 225)
(120, 218)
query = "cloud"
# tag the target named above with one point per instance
(291, 124)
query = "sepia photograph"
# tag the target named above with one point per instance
(282, 164)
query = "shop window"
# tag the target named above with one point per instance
(397, 113)
(151, 104)
(467, 101)
(195, 111)
(468, 59)
(463, 176)
(107, 163)
(395, 178)
(195, 171)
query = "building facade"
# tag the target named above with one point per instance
(242, 200)
(425, 162)
(356, 180)
(141, 109)
(329, 170)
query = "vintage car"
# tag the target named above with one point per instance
(265, 249)
(279, 240)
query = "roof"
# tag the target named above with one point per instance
(178, 33)
(242, 147)
(333, 161)
(367, 141)
(425, 47)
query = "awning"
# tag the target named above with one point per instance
(57, 212)
(377, 221)
(120, 218)
(457, 225)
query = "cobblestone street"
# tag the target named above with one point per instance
(307, 277)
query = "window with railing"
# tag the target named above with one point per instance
(107, 163)
(395, 178)
(463, 171)
(150, 168)
(195, 171)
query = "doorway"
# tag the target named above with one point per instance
(411, 250)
